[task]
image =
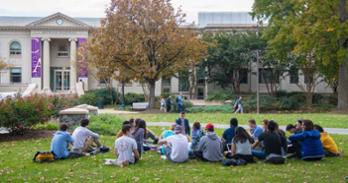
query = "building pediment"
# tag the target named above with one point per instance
(58, 20)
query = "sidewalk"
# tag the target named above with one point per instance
(339, 131)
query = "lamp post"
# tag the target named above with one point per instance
(257, 83)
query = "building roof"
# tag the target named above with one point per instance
(225, 19)
(24, 21)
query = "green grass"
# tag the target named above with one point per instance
(324, 119)
(16, 166)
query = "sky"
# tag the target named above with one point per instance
(96, 8)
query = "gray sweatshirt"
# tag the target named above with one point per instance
(211, 147)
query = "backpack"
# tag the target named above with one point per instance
(275, 159)
(41, 157)
(233, 162)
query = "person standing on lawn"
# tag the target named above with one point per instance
(125, 149)
(85, 141)
(163, 105)
(238, 106)
(184, 123)
(311, 146)
(210, 146)
(60, 143)
(180, 103)
(168, 104)
(176, 146)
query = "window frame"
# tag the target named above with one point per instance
(15, 52)
(63, 53)
(12, 75)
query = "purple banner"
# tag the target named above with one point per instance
(83, 66)
(36, 57)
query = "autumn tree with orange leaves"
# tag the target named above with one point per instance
(147, 40)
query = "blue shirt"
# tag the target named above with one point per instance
(311, 146)
(229, 134)
(60, 143)
(256, 132)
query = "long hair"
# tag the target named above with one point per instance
(242, 135)
(141, 124)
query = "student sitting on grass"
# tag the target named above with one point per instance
(125, 149)
(241, 145)
(273, 142)
(210, 146)
(255, 130)
(176, 149)
(119, 133)
(139, 135)
(329, 145)
(197, 134)
(229, 133)
(60, 143)
(311, 146)
(85, 141)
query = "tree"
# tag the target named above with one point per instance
(229, 54)
(145, 38)
(314, 26)
(3, 65)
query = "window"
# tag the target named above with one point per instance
(293, 73)
(184, 84)
(104, 80)
(15, 48)
(16, 75)
(268, 76)
(166, 82)
(243, 76)
(63, 51)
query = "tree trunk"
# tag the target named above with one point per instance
(343, 87)
(342, 103)
(309, 99)
(152, 87)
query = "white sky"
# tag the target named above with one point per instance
(96, 8)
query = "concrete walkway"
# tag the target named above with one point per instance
(340, 131)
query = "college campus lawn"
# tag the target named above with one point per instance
(327, 120)
(16, 166)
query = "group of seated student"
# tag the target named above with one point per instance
(307, 142)
(84, 142)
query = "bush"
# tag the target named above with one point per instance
(222, 95)
(106, 124)
(210, 109)
(58, 103)
(47, 126)
(89, 98)
(100, 97)
(131, 98)
(25, 112)
(290, 103)
(266, 103)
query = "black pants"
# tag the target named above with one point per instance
(295, 147)
(199, 155)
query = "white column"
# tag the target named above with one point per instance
(73, 65)
(46, 65)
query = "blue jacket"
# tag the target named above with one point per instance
(229, 134)
(60, 143)
(186, 125)
(311, 146)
